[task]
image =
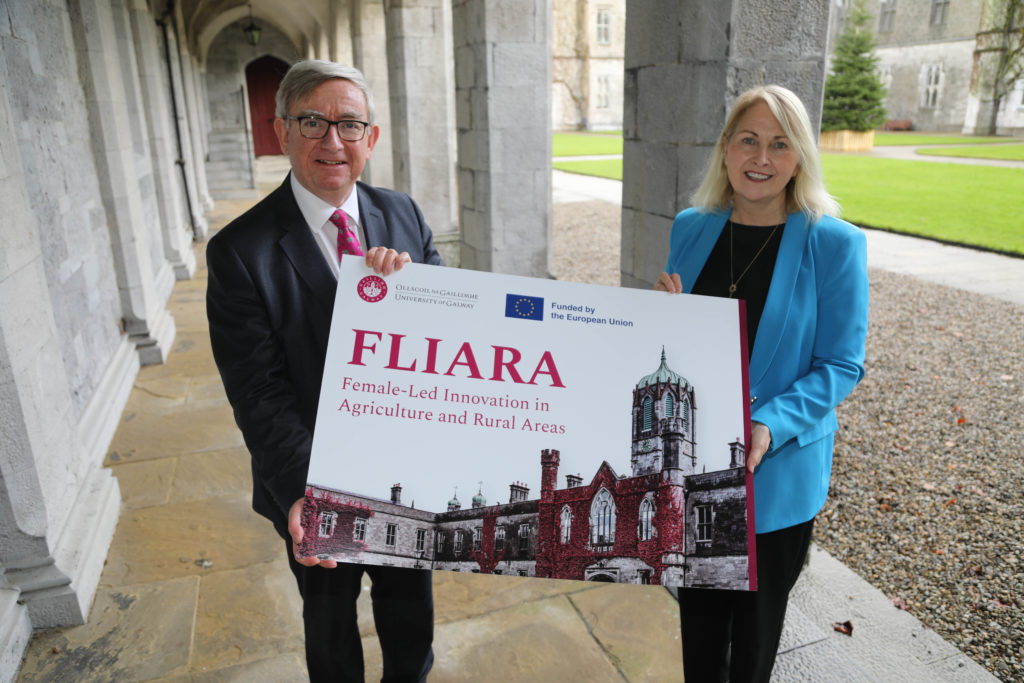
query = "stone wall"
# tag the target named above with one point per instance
(907, 70)
(680, 85)
(51, 121)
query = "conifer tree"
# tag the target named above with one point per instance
(854, 95)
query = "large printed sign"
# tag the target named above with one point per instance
(506, 425)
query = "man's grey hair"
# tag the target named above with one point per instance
(304, 77)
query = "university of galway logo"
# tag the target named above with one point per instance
(372, 288)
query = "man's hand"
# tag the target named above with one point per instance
(384, 260)
(760, 442)
(669, 283)
(295, 529)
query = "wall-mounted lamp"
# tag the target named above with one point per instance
(252, 31)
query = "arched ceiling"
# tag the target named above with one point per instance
(301, 21)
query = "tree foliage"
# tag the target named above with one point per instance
(1011, 63)
(854, 95)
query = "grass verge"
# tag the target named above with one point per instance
(602, 168)
(905, 139)
(585, 144)
(975, 205)
(1002, 152)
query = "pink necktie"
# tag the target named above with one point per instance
(348, 243)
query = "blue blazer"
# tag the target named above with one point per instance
(808, 355)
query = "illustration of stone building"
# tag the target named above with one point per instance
(668, 522)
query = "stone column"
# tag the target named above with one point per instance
(145, 184)
(686, 62)
(419, 74)
(172, 61)
(503, 116)
(58, 508)
(339, 35)
(370, 55)
(146, 320)
(193, 93)
(177, 230)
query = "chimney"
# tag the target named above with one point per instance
(573, 480)
(737, 454)
(396, 494)
(518, 492)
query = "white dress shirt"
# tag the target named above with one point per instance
(317, 213)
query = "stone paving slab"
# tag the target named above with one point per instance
(164, 542)
(638, 628)
(286, 668)
(135, 633)
(887, 644)
(466, 595)
(246, 613)
(543, 640)
(195, 428)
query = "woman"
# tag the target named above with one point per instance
(762, 229)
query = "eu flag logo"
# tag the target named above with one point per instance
(520, 306)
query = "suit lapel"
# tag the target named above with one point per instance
(298, 245)
(780, 295)
(698, 255)
(375, 229)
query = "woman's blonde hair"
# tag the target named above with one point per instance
(806, 192)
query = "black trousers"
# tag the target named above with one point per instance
(749, 622)
(403, 612)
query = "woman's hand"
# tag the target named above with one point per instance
(669, 283)
(384, 260)
(760, 442)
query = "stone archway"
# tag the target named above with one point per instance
(601, 578)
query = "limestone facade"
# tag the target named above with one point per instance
(937, 59)
(588, 44)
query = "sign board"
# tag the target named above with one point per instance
(507, 425)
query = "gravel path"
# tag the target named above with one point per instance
(927, 499)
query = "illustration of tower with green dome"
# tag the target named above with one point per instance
(664, 412)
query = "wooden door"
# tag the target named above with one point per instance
(262, 78)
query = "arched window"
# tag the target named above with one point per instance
(685, 412)
(566, 525)
(602, 519)
(646, 527)
(669, 405)
(648, 413)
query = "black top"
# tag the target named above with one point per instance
(755, 246)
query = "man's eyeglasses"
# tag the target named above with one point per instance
(316, 127)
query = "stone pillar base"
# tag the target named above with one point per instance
(15, 632)
(154, 345)
(186, 267)
(102, 414)
(58, 589)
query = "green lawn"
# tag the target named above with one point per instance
(909, 138)
(975, 205)
(603, 168)
(978, 205)
(1009, 152)
(584, 144)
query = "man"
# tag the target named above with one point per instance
(272, 279)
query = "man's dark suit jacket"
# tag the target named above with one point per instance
(269, 302)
